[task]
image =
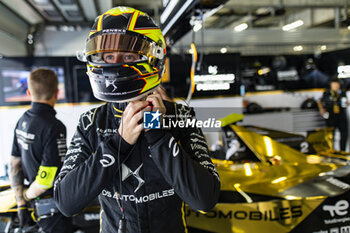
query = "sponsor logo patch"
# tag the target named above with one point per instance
(107, 160)
(127, 172)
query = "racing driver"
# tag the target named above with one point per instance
(142, 177)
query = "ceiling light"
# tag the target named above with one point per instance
(178, 14)
(165, 2)
(262, 11)
(293, 25)
(223, 50)
(197, 27)
(208, 14)
(52, 28)
(168, 10)
(298, 48)
(323, 47)
(241, 27)
(64, 28)
(41, 2)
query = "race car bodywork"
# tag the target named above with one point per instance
(275, 188)
(318, 141)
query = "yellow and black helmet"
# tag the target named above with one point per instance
(124, 30)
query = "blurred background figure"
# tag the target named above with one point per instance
(332, 107)
(38, 151)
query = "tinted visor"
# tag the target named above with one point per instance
(122, 43)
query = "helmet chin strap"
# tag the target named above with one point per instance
(147, 94)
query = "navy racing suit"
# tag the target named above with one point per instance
(161, 172)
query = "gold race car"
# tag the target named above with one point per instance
(268, 186)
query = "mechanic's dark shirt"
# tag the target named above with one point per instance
(158, 174)
(40, 140)
(330, 99)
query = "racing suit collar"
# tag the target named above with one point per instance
(41, 107)
(117, 108)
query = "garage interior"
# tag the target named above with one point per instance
(261, 65)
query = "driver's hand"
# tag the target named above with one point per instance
(130, 129)
(157, 102)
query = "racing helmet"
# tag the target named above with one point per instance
(124, 30)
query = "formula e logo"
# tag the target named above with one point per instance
(151, 120)
(126, 172)
(107, 161)
(340, 208)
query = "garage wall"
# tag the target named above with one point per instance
(53, 42)
(13, 33)
(11, 46)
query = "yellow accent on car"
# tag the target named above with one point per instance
(46, 176)
(231, 217)
(231, 119)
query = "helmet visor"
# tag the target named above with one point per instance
(122, 43)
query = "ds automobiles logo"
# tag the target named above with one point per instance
(126, 172)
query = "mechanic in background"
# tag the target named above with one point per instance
(332, 107)
(38, 150)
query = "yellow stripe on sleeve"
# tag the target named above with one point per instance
(46, 176)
